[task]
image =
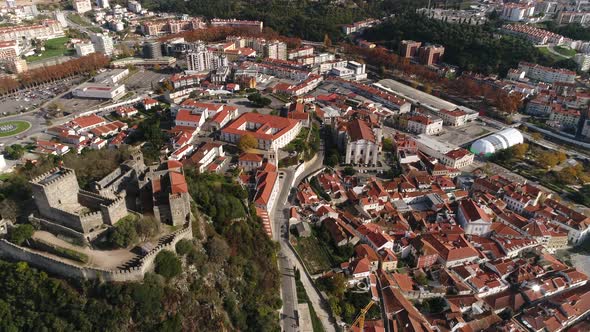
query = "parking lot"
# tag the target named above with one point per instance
(465, 134)
(144, 80)
(26, 100)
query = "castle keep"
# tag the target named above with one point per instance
(60, 200)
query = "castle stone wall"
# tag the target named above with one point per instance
(114, 211)
(92, 200)
(63, 268)
(58, 229)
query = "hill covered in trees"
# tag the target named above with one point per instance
(226, 279)
(305, 19)
(477, 48)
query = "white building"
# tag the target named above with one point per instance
(517, 12)
(547, 74)
(83, 49)
(82, 6)
(103, 43)
(99, 91)
(362, 143)
(275, 50)
(102, 4)
(583, 61)
(204, 60)
(271, 132)
(423, 124)
(499, 141)
(454, 118)
(134, 6)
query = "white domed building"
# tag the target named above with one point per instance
(499, 141)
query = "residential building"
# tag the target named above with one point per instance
(47, 29)
(430, 54)
(535, 35)
(202, 59)
(103, 43)
(409, 48)
(453, 118)
(204, 156)
(103, 4)
(583, 61)
(152, 50)
(82, 6)
(163, 27)
(83, 49)
(275, 50)
(564, 118)
(9, 50)
(134, 6)
(254, 26)
(516, 12)
(547, 74)
(425, 124)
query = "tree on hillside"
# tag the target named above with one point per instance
(15, 151)
(18, 235)
(327, 41)
(247, 142)
(167, 264)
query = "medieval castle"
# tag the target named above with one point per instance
(69, 212)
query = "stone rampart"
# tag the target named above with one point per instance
(65, 269)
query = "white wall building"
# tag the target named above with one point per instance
(99, 91)
(423, 124)
(83, 49)
(82, 6)
(103, 43)
(547, 74)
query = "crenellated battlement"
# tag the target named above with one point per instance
(54, 176)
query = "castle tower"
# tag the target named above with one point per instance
(57, 188)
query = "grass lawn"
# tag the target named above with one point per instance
(19, 127)
(79, 20)
(552, 56)
(566, 51)
(53, 47)
(317, 258)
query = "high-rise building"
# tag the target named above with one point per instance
(134, 6)
(202, 59)
(430, 54)
(275, 50)
(102, 4)
(152, 50)
(102, 43)
(83, 49)
(82, 6)
(409, 48)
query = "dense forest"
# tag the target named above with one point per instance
(229, 279)
(471, 47)
(306, 19)
(574, 31)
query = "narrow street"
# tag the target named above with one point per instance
(287, 258)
